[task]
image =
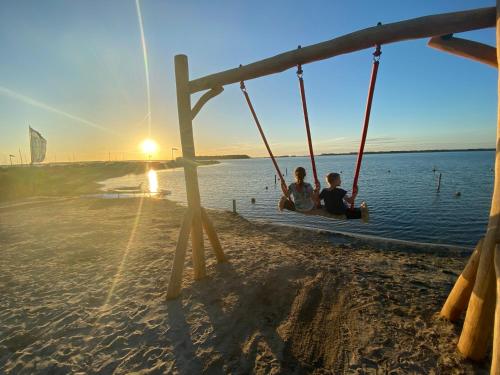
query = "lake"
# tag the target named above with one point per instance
(400, 190)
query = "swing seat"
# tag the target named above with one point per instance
(323, 213)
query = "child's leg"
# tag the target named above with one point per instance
(358, 213)
(365, 216)
(355, 213)
(286, 204)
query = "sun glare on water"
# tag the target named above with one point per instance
(153, 181)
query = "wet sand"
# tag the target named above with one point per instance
(84, 281)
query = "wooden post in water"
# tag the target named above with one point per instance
(234, 206)
(439, 183)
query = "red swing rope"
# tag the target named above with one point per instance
(306, 122)
(371, 89)
(284, 188)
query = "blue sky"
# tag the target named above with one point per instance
(74, 70)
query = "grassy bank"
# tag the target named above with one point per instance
(63, 179)
(70, 178)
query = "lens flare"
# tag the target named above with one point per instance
(146, 64)
(36, 103)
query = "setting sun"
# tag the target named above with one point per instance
(148, 146)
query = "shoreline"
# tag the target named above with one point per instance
(369, 239)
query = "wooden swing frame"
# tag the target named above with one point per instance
(477, 290)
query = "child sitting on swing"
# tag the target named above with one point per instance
(335, 199)
(301, 195)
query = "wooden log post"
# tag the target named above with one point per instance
(188, 154)
(175, 283)
(421, 27)
(495, 363)
(459, 296)
(479, 320)
(212, 236)
(469, 49)
(476, 333)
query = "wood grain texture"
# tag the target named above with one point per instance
(469, 49)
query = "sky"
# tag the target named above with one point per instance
(75, 71)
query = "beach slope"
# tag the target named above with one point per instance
(84, 281)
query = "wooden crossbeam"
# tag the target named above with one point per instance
(416, 28)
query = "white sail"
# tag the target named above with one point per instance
(38, 146)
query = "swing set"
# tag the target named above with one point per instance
(300, 72)
(477, 290)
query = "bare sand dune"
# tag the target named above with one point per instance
(83, 286)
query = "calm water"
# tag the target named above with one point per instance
(400, 190)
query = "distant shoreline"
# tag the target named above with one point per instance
(390, 152)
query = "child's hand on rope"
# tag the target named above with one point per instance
(354, 191)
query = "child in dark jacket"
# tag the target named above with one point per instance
(335, 199)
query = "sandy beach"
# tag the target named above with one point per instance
(84, 280)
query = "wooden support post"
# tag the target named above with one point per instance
(212, 236)
(175, 283)
(495, 363)
(439, 183)
(469, 49)
(475, 338)
(479, 320)
(188, 154)
(234, 206)
(459, 297)
(212, 93)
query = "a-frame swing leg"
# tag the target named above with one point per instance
(175, 283)
(212, 236)
(195, 218)
(495, 362)
(458, 299)
(476, 333)
(480, 320)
